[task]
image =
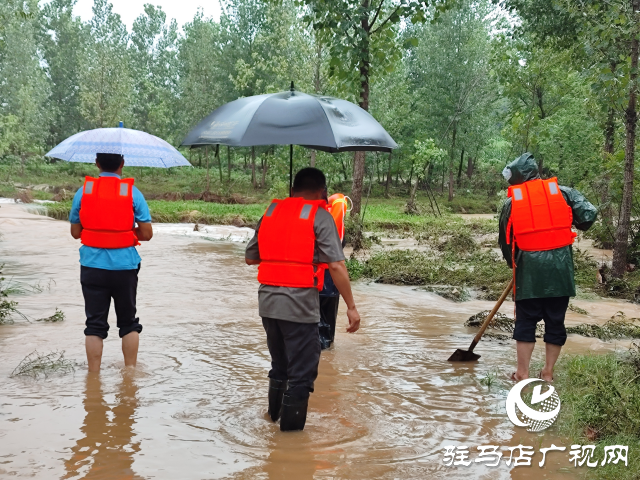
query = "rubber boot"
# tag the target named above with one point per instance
(294, 414)
(276, 392)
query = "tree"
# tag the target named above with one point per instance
(450, 73)
(363, 35)
(24, 88)
(202, 81)
(154, 54)
(63, 37)
(269, 47)
(607, 33)
(106, 84)
(426, 153)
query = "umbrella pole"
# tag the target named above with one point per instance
(290, 167)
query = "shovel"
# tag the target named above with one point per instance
(468, 355)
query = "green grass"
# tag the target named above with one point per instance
(627, 288)
(192, 211)
(481, 270)
(36, 365)
(600, 397)
(205, 212)
(381, 216)
(58, 316)
(8, 308)
(388, 214)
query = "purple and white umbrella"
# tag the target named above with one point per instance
(139, 149)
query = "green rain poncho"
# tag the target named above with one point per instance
(545, 273)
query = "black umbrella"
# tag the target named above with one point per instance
(292, 118)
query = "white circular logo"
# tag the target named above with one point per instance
(535, 420)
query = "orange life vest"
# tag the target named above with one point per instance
(287, 241)
(338, 209)
(106, 213)
(540, 217)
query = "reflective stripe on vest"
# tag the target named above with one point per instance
(106, 213)
(286, 240)
(338, 209)
(540, 217)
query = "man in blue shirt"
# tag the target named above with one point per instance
(108, 258)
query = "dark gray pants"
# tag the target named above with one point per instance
(531, 310)
(295, 354)
(98, 288)
(328, 316)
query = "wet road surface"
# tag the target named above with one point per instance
(385, 405)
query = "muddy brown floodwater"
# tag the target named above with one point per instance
(386, 400)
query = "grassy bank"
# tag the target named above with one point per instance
(58, 181)
(456, 258)
(382, 215)
(600, 397)
(192, 211)
(484, 271)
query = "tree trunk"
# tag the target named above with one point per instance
(265, 167)
(206, 154)
(386, 187)
(469, 167)
(253, 167)
(609, 132)
(360, 157)
(460, 168)
(540, 160)
(429, 179)
(219, 163)
(344, 169)
(630, 119)
(453, 147)
(606, 209)
(317, 74)
(411, 173)
(229, 164)
(411, 204)
(358, 181)
(312, 161)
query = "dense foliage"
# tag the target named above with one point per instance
(463, 87)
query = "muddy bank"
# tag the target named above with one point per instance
(386, 400)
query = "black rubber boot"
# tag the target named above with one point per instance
(276, 392)
(294, 414)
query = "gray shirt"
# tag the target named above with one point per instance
(300, 305)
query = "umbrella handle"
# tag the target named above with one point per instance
(291, 163)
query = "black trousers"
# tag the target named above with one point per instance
(295, 354)
(328, 316)
(98, 288)
(531, 310)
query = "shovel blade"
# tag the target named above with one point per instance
(463, 356)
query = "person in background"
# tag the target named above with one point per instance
(535, 238)
(330, 296)
(295, 240)
(103, 216)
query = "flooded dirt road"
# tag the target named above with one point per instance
(385, 405)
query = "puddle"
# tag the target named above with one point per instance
(385, 405)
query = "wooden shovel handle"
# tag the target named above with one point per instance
(491, 315)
